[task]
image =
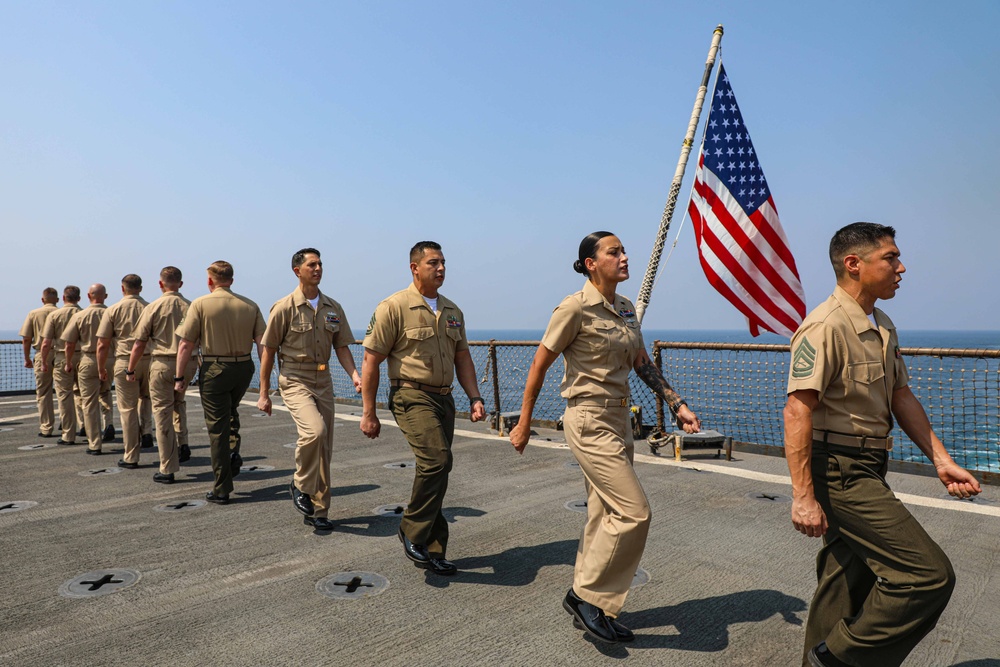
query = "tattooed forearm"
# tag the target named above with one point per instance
(654, 379)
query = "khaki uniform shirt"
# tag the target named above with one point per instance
(119, 323)
(56, 324)
(82, 329)
(34, 325)
(599, 342)
(420, 345)
(305, 335)
(854, 366)
(158, 324)
(224, 323)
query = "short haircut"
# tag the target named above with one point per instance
(71, 293)
(417, 251)
(50, 294)
(300, 257)
(858, 238)
(221, 271)
(170, 275)
(132, 281)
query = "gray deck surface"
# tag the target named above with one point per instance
(730, 579)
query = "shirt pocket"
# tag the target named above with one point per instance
(422, 341)
(418, 363)
(865, 372)
(301, 326)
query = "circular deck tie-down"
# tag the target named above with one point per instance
(352, 585)
(99, 582)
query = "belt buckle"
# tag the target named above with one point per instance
(321, 367)
(624, 403)
(888, 443)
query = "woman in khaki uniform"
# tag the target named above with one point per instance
(597, 332)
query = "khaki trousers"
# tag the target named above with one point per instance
(91, 395)
(67, 390)
(618, 513)
(428, 422)
(223, 384)
(169, 409)
(145, 416)
(308, 395)
(44, 395)
(882, 581)
(128, 395)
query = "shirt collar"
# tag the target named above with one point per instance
(853, 309)
(416, 299)
(593, 297)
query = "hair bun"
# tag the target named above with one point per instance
(579, 267)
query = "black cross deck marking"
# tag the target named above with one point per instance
(353, 585)
(106, 579)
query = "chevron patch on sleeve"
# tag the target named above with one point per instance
(803, 360)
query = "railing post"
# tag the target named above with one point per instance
(496, 386)
(658, 359)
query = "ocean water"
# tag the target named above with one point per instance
(740, 394)
(989, 340)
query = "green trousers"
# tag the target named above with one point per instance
(882, 581)
(428, 422)
(222, 386)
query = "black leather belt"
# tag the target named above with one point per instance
(245, 357)
(430, 389)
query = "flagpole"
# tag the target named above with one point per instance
(646, 290)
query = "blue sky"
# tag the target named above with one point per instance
(135, 135)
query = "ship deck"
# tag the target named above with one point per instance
(729, 580)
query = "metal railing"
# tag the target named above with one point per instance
(737, 389)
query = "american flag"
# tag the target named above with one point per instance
(743, 250)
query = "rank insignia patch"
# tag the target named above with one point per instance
(804, 360)
(371, 326)
(332, 318)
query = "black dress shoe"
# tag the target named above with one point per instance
(183, 454)
(82, 432)
(218, 500)
(147, 441)
(109, 433)
(441, 566)
(122, 463)
(47, 435)
(236, 462)
(302, 502)
(592, 618)
(60, 441)
(318, 522)
(820, 656)
(94, 452)
(162, 478)
(415, 552)
(623, 633)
